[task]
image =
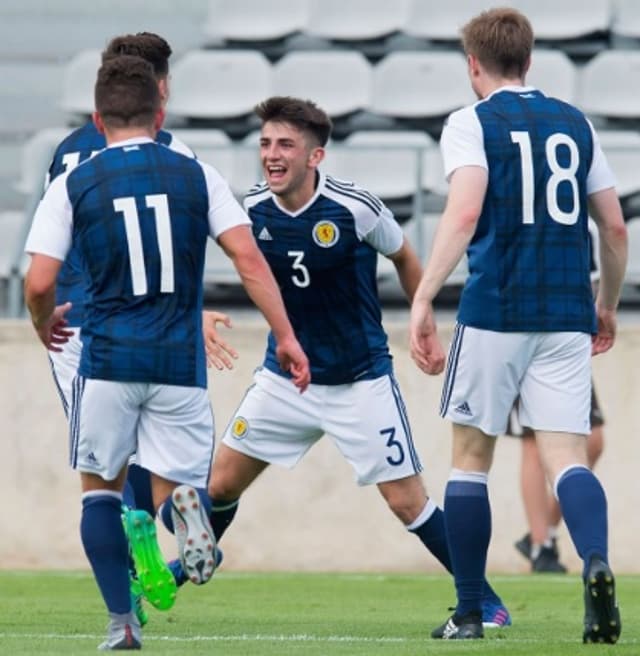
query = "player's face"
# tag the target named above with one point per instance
(289, 161)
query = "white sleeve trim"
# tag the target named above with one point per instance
(52, 227)
(224, 210)
(462, 141)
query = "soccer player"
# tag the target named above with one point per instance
(140, 214)
(75, 148)
(321, 237)
(522, 169)
(539, 545)
(71, 284)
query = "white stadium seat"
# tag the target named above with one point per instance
(212, 146)
(35, 158)
(339, 81)
(13, 230)
(219, 83)
(79, 82)
(610, 85)
(383, 162)
(255, 20)
(553, 72)
(622, 148)
(420, 84)
(568, 19)
(626, 18)
(356, 19)
(632, 274)
(445, 22)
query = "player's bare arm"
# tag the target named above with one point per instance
(605, 210)
(408, 268)
(239, 245)
(455, 230)
(39, 290)
(220, 354)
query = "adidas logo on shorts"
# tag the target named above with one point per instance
(464, 409)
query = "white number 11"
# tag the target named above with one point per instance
(159, 204)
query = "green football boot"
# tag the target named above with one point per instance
(154, 576)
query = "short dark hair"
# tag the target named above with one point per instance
(151, 47)
(303, 114)
(126, 92)
(501, 39)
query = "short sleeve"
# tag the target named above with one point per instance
(51, 229)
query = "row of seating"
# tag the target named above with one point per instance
(219, 270)
(391, 164)
(356, 20)
(218, 85)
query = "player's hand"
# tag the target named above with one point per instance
(54, 331)
(424, 343)
(294, 360)
(607, 326)
(220, 354)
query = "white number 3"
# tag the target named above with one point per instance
(301, 278)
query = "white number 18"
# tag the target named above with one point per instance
(558, 174)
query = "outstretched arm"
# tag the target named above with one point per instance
(239, 244)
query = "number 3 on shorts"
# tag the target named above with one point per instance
(392, 443)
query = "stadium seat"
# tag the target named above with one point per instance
(14, 232)
(570, 19)
(35, 159)
(610, 85)
(622, 148)
(338, 80)
(625, 22)
(444, 23)
(553, 72)
(247, 168)
(28, 96)
(212, 146)
(79, 82)
(255, 20)
(356, 20)
(383, 162)
(632, 274)
(219, 84)
(420, 85)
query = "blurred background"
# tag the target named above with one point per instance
(388, 73)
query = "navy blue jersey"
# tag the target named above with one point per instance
(325, 265)
(529, 259)
(73, 149)
(139, 215)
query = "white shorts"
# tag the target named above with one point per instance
(64, 367)
(170, 426)
(487, 371)
(367, 420)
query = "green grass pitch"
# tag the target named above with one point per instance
(53, 613)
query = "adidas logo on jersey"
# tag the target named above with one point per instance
(464, 409)
(265, 235)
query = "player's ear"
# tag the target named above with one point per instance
(316, 156)
(97, 121)
(159, 119)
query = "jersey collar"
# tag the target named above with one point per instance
(511, 87)
(308, 204)
(132, 141)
